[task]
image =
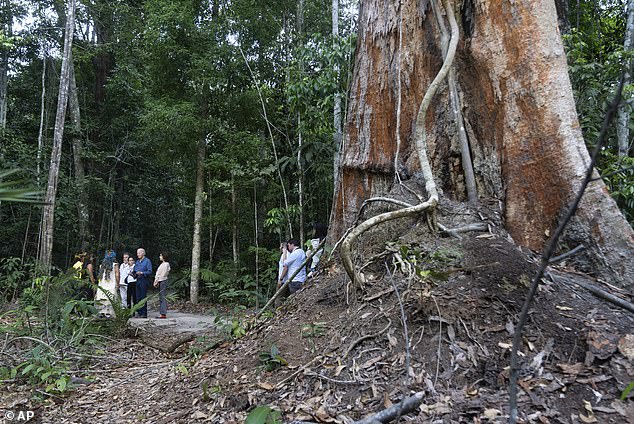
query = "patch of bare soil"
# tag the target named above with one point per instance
(437, 315)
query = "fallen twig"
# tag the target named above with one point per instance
(302, 368)
(567, 254)
(408, 405)
(333, 380)
(404, 321)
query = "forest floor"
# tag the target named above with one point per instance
(436, 315)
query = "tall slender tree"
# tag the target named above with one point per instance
(48, 213)
(623, 128)
(6, 30)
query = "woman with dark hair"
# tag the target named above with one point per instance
(161, 281)
(108, 278)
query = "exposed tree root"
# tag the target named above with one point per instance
(366, 337)
(421, 149)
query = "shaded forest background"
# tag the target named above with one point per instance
(256, 83)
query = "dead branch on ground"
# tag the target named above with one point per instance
(408, 405)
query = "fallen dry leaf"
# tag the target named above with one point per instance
(491, 413)
(564, 308)
(626, 346)
(265, 386)
(572, 368)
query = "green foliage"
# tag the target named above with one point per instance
(201, 345)
(15, 277)
(427, 266)
(314, 329)
(618, 174)
(272, 360)
(234, 324)
(264, 415)
(627, 391)
(122, 314)
(14, 190)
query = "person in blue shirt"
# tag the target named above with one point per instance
(142, 272)
(294, 260)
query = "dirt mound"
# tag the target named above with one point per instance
(436, 315)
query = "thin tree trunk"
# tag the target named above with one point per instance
(623, 119)
(234, 224)
(300, 167)
(300, 182)
(7, 26)
(338, 134)
(257, 243)
(198, 214)
(48, 213)
(40, 134)
(78, 162)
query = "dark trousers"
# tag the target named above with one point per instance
(141, 293)
(132, 294)
(163, 285)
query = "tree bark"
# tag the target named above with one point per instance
(338, 134)
(78, 162)
(198, 214)
(623, 128)
(48, 213)
(519, 113)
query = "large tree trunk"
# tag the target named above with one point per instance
(198, 215)
(623, 128)
(519, 113)
(48, 213)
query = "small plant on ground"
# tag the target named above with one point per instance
(264, 415)
(272, 360)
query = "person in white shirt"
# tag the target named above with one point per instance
(294, 261)
(131, 280)
(122, 284)
(161, 281)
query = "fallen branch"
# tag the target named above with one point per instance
(408, 405)
(366, 337)
(602, 294)
(567, 254)
(302, 368)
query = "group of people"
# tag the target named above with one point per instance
(127, 281)
(292, 263)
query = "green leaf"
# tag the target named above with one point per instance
(627, 390)
(259, 415)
